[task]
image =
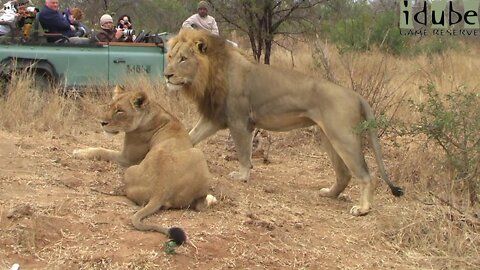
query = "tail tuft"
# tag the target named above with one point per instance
(177, 235)
(397, 191)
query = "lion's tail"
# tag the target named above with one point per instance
(377, 150)
(174, 233)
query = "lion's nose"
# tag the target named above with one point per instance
(168, 76)
(103, 123)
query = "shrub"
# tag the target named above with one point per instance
(365, 29)
(452, 121)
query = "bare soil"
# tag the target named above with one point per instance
(60, 213)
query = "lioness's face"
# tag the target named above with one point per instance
(125, 113)
(183, 65)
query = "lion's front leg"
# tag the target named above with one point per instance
(98, 154)
(202, 130)
(243, 145)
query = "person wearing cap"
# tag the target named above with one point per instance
(53, 21)
(201, 20)
(108, 33)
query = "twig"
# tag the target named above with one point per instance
(111, 193)
(190, 242)
(447, 203)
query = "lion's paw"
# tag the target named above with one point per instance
(239, 176)
(211, 200)
(358, 211)
(326, 192)
(80, 153)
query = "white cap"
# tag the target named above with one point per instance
(105, 19)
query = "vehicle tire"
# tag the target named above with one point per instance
(42, 80)
(4, 85)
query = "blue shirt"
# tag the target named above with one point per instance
(52, 21)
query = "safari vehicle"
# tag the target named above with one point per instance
(77, 66)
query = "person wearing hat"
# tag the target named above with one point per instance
(53, 21)
(201, 20)
(108, 33)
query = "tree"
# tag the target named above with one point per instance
(263, 20)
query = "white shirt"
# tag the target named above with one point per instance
(208, 23)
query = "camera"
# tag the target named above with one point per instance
(128, 32)
(80, 31)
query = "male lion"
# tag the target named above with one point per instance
(232, 92)
(164, 170)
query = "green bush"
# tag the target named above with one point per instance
(359, 28)
(365, 29)
(452, 121)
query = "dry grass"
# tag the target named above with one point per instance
(442, 230)
(24, 103)
(432, 228)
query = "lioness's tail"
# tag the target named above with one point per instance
(377, 150)
(174, 233)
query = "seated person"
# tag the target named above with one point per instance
(14, 13)
(52, 21)
(201, 19)
(125, 23)
(75, 16)
(27, 21)
(108, 33)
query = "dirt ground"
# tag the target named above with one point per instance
(60, 213)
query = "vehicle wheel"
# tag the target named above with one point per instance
(3, 85)
(42, 80)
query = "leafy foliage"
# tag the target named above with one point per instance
(264, 20)
(170, 247)
(452, 121)
(361, 26)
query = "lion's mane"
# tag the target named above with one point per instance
(209, 89)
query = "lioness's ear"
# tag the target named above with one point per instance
(118, 90)
(201, 46)
(140, 100)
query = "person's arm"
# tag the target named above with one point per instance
(101, 36)
(62, 23)
(21, 22)
(118, 35)
(189, 21)
(214, 27)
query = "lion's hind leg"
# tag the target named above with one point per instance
(349, 154)
(174, 233)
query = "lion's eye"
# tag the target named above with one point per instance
(119, 112)
(183, 59)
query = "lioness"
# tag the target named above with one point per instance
(232, 92)
(164, 170)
